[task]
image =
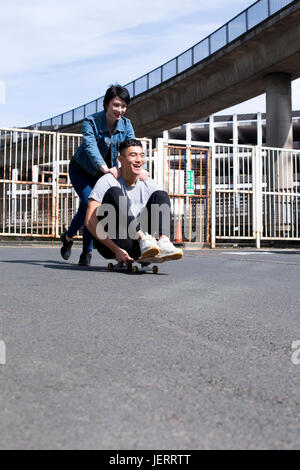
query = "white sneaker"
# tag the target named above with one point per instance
(167, 251)
(148, 246)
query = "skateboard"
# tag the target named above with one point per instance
(132, 268)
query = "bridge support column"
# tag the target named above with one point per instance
(279, 110)
(279, 134)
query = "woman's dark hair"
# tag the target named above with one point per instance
(113, 91)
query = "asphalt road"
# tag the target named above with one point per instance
(197, 356)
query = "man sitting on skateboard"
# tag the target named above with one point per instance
(135, 204)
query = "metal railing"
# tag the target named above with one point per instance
(183, 171)
(37, 198)
(218, 192)
(33, 181)
(254, 191)
(279, 179)
(235, 28)
(233, 192)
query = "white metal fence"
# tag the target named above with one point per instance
(33, 182)
(218, 192)
(279, 193)
(255, 193)
(233, 206)
(252, 192)
(183, 170)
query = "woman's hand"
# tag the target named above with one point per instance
(143, 175)
(122, 256)
(114, 170)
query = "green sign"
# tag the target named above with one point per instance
(190, 182)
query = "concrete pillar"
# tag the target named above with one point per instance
(235, 163)
(165, 135)
(188, 138)
(279, 134)
(279, 110)
(188, 206)
(188, 132)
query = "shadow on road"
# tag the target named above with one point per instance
(283, 252)
(56, 265)
(60, 265)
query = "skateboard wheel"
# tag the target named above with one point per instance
(110, 266)
(134, 269)
(155, 269)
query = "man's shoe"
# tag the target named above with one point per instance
(66, 249)
(148, 246)
(85, 258)
(167, 251)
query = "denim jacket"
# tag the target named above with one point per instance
(97, 140)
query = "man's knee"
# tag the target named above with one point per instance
(159, 197)
(156, 217)
(115, 209)
(112, 196)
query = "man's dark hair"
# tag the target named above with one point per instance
(113, 91)
(130, 143)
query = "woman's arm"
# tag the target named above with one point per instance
(92, 150)
(130, 130)
(90, 145)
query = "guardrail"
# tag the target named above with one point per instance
(254, 191)
(235, 28)
(219, 192)
(36, 196)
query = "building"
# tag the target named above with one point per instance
(247, 129)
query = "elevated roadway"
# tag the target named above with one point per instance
(266, 58)
(248, 67)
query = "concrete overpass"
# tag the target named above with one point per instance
(264, 59)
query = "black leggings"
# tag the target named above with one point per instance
(128, 244)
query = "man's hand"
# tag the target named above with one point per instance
(122, 256)
(144, 174)
(91, 222)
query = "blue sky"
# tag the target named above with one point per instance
(64, 53)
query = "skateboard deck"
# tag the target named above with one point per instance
(131, 267)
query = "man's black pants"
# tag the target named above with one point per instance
(159, 198)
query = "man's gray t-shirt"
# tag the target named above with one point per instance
(137, 195)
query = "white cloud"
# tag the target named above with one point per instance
(39, 34)
(2, 92)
